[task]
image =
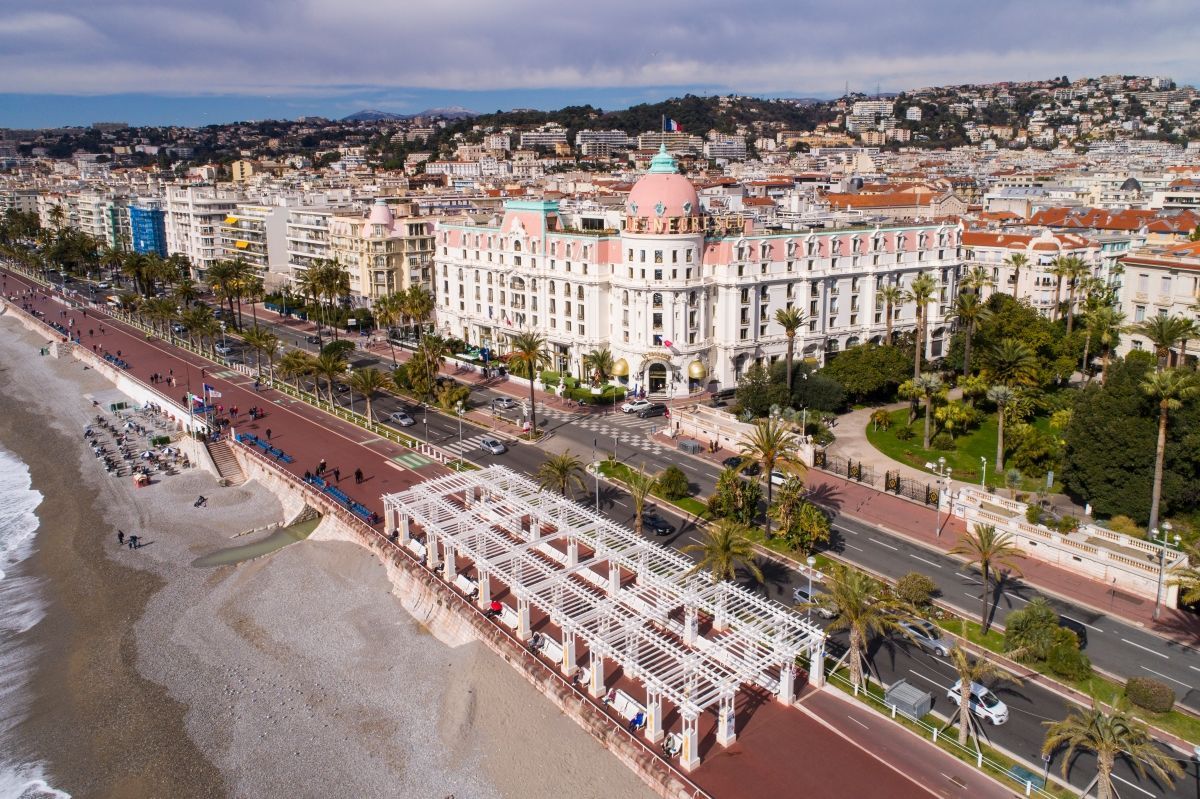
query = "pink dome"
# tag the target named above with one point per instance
(661, 196)
(381, 214)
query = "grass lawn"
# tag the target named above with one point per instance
(964, 459)
(689, 505)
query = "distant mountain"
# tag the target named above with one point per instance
(370, 115)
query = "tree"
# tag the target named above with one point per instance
(969, 311)
(1103, 327)
(977, 279)
(971, 670)
(890, 295)
(1074, 269)
(788, 501)
(673, 483)
(990, 550)
(1017, 261)
(387, 309)
(1060, 268)
(1012, 363)
(916, 589)
(1163, 332)
(809, 529)
(790, 319)
(922, 291)
(1187, 576)
(1169, 389)
(562, 473)
(771, 444)
(263, 342)
(927, 385)
(420, 303)
(423, 368)
(1109, 736)
(529, 350)
(294, 365)
(868, 371)
(726, 546)
(756, 392)
(863, 607)
(330, 366)
(640, 485)
(734, 497)
(599, 363)
(368, 382)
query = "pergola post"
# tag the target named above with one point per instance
(721, 613)
(654, 730)
(726, 721)
(689, 757)
(389, 516)
(469, 496)
(569, 653)
(614, 578)
(405, 531)
(449, 561)
(524, 631)
(787, 684)
(484, 586)
(596, 677)
(431, 550)
(816, 656)
(691, 624)
(572, 552)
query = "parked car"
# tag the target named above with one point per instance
(178, 329)
(341, 388)
(801, 596)
(633, 406)
(223, 349)
(656, 524)
(103, 285)
(732, 462)
(983, 702)
(403, 419)
(493, 445)
(504, 403)
(312, 339)
(653, 409)
(927, 636)
(779, 477)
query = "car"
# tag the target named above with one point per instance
(218, 312)
(927, 636)
(778, 477)
(983, 702)
(633, 406)
(178, 329)
(732, 462)
(504, 403)
(103, 285)
(656, 524)
(312, 339)
(748, 468)
(801, 597)
(341, 388)
(493, 445)
(223, 349)
(653, 409)
(401, 418)
(1076, 627)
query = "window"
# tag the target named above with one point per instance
(674, 256)
(687, 256)
(745, 295)
(657, 321)
(743, 333)
(630, 253)
(1165, 286)
(1139, 313)
(643, 256)
(658, 274)
(656, 300)
(741, 270)
(625, 298)
(658, 256)
(1143, 284)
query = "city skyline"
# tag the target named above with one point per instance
(72, 63)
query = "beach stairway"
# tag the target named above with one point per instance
(226, 463)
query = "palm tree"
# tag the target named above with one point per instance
(790, 319)
(1106, 325)
(331, 366)
(922, 291)
(1011, 362)
(969, 312)
(978, 279)
(253, 289)
(1109, 735)
(972, 670)
(928, 385)
(726, 545)
(1075, 270)
(185, 292)
(640, 485)
(261, 340)
(1170, 389)
(1163, 332)
(890, 295)
(864, 608)
(600, 363)
(222, 281)
(529, 350)
(368, 382)
(1003, 396)
(991, 550)
(309, 284)
(1060, 268)
(388, 313)
(295, 364)
(335, 284)
(561, 473)
(1187, 577)
(420, 303)
(771, 444)
(1017, 261)
(788, 503)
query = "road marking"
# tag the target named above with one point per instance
(930, 562)
(860, 549)
(1165, 677)
(1131, 785)
(928, 679)
(882, 544)
(1077, 621)
(1147, 649)
(859, 723)
(970, 578)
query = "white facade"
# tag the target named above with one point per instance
(194, 218)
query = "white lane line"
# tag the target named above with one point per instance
(1165, 677)
(859, 723)
(882, 544)
(1193, 668)
(1084, 623)
(860, 549)
(1023, 599)
(1131, 785)
(930, 562)
(928, 679)
(1147, 649)
(966, 577)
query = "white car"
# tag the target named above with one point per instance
(633, 406)
(779, 478)
(403, 419)
(493, 445)
(983, 702)
(223, 349)
(504, 403)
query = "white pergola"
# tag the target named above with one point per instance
(627, 599)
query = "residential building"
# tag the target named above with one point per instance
(382, 253)
(104, 216)
(1163, 280)
(257, 234)
(684, 300)
(195, 215)
(307, 234)
(1038, 286)
(148, 227)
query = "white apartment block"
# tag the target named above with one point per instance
(307, 234)
(684, 300)
(1163, 280)
(257, 234)
(726, 148)
(547, 137)
(993, 250)
(104, 216)
(195, 216)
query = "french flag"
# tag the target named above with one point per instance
(671, 126)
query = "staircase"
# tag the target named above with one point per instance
(226, 463)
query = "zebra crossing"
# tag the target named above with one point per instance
(631, 431)
(466, 446)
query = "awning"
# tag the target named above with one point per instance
(241, 245)
(231, 220)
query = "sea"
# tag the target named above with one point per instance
(22, 606)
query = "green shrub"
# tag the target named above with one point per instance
(673, 483)
(1034, 514)
(1065, 660)
(916, 589)
(904, 433)
(1125, 525)
(1067, 524)
(943, 442)
(1149, 694)
(1030, 633)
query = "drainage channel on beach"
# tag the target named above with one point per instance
(274, 540)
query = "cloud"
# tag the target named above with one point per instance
(340, 47)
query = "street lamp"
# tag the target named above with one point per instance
(942, 471)
(983, 479)
(425, 413)
(458, 411)
(812, 562)
(596, 470)
(1162, 563)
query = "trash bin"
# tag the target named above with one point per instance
(908, 699)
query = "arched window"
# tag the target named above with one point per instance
(566, 289)
(517, 246)
(517, 284)
(624, 297)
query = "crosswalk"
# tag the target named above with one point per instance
(630, 431)
(467, 446)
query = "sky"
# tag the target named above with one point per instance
(196, 62)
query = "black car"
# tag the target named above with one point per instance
(1076, 627)
(657, 409)
(656, 524)
(341, 388)
(750, 469)
(312, 339)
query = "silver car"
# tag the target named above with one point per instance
(403, 419)
(927, 636)
(493, 445)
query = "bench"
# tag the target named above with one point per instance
(465, 584)
(508, 617)
(625, 706)
(416, 547)
(1026, 777)
(551, 649)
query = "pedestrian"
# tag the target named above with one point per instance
(307, 475)
(91, 333)
(130, 541)
(358, 476)
(118, 353)
(268, 434)
(120, 537)
(337, 475)
(137, 541)
(321, 468)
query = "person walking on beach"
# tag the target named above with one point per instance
(131, 540)
(358, 476)
(120, 537)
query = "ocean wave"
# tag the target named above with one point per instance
(27, 782)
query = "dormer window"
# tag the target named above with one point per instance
(687, 208)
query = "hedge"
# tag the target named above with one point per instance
(1149, 694)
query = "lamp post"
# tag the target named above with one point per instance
(942, 471)
(425, 415)
(458, 411)
(812, 562)
(596, 473)
(983, 479)
(1162, 563)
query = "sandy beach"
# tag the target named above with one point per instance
(297, 674)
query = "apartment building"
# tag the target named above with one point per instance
(683, 299)
(382, 252)
(257, 234)
(148, 227)
(1163, 280)
(307, 235)
(993, 251)
(102, 215)
(194, 218)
